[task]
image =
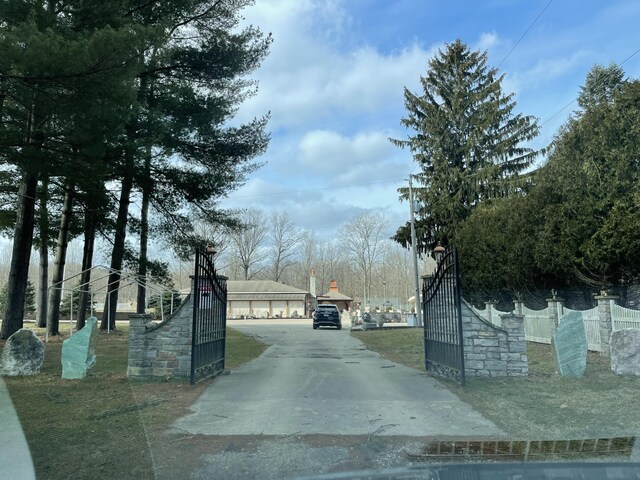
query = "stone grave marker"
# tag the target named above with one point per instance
(23, 354)
(570, 346)
(79, 351)
(625, 351)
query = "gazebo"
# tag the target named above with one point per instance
(334, 296)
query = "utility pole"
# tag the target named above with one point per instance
(414, 251)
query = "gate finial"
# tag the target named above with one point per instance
(438, 252)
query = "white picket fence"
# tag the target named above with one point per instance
(539, 326)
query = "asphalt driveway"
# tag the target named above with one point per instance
(326, 382)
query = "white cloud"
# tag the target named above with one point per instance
(307, 77)
(366, 156)
(549, 69)
(487, 41)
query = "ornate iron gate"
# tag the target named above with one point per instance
(209, 318)
(441, 307)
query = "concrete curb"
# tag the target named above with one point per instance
(15, 456)
(386, 326)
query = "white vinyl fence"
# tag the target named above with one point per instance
(539, 326)
(591, 326)
(490, 315)
(624, 317)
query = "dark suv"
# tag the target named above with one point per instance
(326, 315)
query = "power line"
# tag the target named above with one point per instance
(525, 33)
(575, 99)
(629, 57)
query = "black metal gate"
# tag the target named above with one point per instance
(441, 307)
(209, 318)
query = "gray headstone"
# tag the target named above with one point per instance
(79, 351)
(23, 354)
(570, 346)
(625, 351)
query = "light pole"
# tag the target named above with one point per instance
(384, 294)
(414, 249)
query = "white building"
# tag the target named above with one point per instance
(265, 299)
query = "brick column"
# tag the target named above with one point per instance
(606, 324)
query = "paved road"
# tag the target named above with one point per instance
(15, 457)
(326, 382)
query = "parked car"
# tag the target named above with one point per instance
(326, 315)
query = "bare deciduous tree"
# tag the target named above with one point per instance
(363, 241)
(217, 235)
(307, 261)
(330, 265)
(285, 238)
(248, 241)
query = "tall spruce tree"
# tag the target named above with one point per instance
(466, 139)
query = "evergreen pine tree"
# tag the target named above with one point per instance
(466, 139)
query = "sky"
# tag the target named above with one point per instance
(333, 84)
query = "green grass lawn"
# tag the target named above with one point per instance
(106, 426)
(542, 406)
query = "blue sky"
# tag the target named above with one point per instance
(334, 79)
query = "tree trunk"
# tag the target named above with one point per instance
(87, 262)
(23, 230)
(117, 256)
(21, 254)
(53, 315)
(144, 234)
(3, 94)
(43, 287)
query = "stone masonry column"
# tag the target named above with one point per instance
(491, 312)
(604, 318)
(516, 358)
(555, 305)
(137, 359)
(517, 307)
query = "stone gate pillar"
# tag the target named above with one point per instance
(605, 321)
(492, 315)
(555, 306)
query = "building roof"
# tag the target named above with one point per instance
(261, 286)
(334, 294)
(243, 290)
